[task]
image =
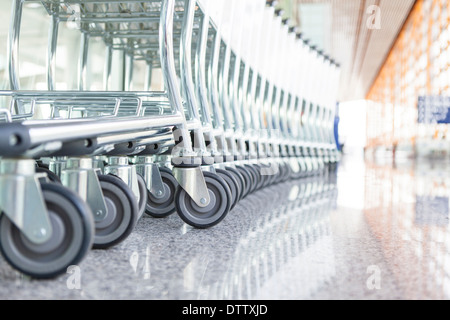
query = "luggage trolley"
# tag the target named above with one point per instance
(273, 93)
(234, 79)
(32, 226)
(262, 107)
(215, 46)
(195, 200)
(111, 155)
(249, 91)
(205, 64)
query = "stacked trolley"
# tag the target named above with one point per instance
(246, 103)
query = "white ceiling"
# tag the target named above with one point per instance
(340, 28)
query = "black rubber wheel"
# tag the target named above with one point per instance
(280, 174)
(214, 213)
(143, 196)
(239, 179)
(255, 177)
(40, 164)
(261, 179)
(266, 178)
(248, 178)
(287, 172)
(233, 184)
(51, 175)
(72, 236)
(273, 168)
(165, 206)
(122, 214)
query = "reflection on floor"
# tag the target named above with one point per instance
(407, 209)
(372, 231)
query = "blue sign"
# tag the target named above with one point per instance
(432, 211)
(434, 109)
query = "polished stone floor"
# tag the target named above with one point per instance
(374, 231)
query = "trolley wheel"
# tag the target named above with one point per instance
(143, 196)
(51, 175)
(40, 164)
(72, 236)
(232, 183)
(255, 177)
(165, 206)
(239, 179)
(266, 178)
(262, 179)
(247, 178)
(280, 174)
(214, 213)
(287, 173)
(297, 175)
(121, 216)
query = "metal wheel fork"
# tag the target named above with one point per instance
(120, 167)
(149, 170)
(22, 201)
(81, 177)
(193, 182)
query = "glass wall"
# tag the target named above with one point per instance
(416, 66)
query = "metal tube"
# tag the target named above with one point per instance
(82, 71)
(129, 70)
(79, 130)
(51, 54)
(200, 66)
(148, 77)
(187, 85)
(213, 81)
(108, 68)
(168, 66)
(135, 136)
(13, 44)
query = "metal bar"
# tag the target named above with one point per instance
(87, 129)
(168, 66)
(13, 44)
(108, 68)
(82, 72)
(51, 54)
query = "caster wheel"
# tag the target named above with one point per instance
(257, 169)
(165, 206)
(287, 172)
(297, 175)
(247, 178)
(266, 178)
(255, 177)
(122, 214)
(72, 236)
(239, 179)
(232, 184)
(271, 178)
(50, 175)
(281, 174)
(261, 179)
(143, 196)
(42, 165)
(214, 213)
